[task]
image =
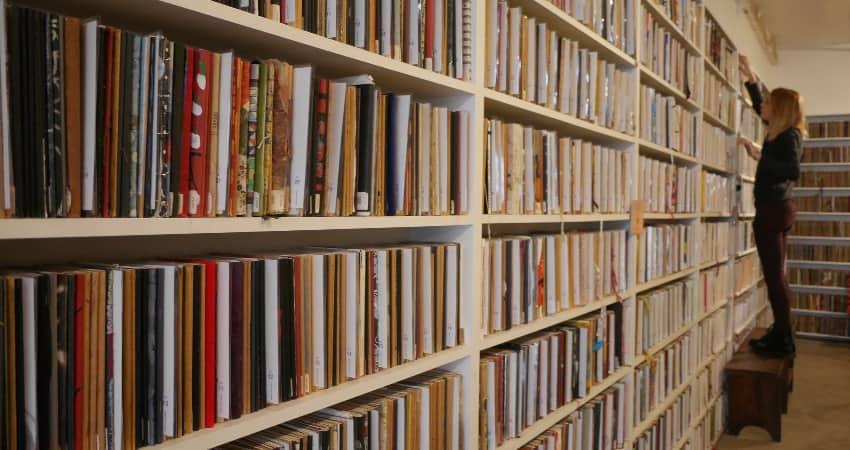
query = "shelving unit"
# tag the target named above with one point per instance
(816, 311)
(209, 24)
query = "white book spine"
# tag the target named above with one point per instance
(301, 111)
(29, 356)
(515, 20)
(222, 353)
(444, 161)
(360, 23)
(90, 45)
(351, 288)
(427, 300)
(407, 352)
(452, 290)
(402, 115)
(382, 310)
(496, 286)
(336, 123)
(512, 395)
(270, 267)
(318, 319)
(413, 32)
(438, 36)
(332, 21)
(224, 101)
(117, 358)
(168, 352)
(428, 114)
(386, 38)
(424, 417)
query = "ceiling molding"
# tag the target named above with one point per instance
(765, 37)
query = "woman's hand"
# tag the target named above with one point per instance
(748, 145)
(746, 69)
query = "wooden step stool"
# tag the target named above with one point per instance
(758, 388)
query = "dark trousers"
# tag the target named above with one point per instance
(770, 228)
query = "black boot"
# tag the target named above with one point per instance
(762, 341)
(777, 345)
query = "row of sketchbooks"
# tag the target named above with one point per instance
(122, 124)
(131, 355)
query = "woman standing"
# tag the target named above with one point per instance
(777, 170)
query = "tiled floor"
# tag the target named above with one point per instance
(819, 410)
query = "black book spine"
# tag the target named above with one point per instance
(178, 80)
(4, 353)
(159, 293)
(286, 318)
(50, 110)
(102, 163)
(16, 91)
(258, 330)
(124, 106)
(365, 148)
(236, 332)
(39, 22)
(66, 368)
(141, 318)
(44, 357)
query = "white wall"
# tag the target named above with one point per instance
(822, 76)
(736, 24)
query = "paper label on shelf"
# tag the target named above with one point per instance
(637, 209)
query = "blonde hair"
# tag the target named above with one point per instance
(787, 112)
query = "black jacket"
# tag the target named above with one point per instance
(779, 166)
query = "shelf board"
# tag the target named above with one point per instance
(671, 26)
(747, 288)
(748, 178)
(542, 425)
(813, 289)
(811, 216)
(818, 265)
(717, 169)
(821, 192)
(552, 218)
(827, 142)
(716, 121)
(817, 313)
(711, 264)
(716, 215)
(820, 240)
(664, 280)
(500, 104)
(216, 26)
(825, 167)
(99, 227)
(719, 74)
(746, 252)
(519, 331)
(274, 415)
(648, 77)
(680, 332)
(568, 25)
(746, 216)
(670, 216)
(659, 151)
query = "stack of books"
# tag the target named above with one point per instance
(532, 171)
(715, 241)
(665, 122)
(530, 277)
(717, 193)
(666, 187)
(665, 249)
(422, 412)
(611, 19)
(152, 351)
(149, 127)
(718, 147)
(436, 36)
(531, 378)
(666, 56)
(663, 312)
(527, 59)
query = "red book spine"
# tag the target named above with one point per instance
(78, 363)
(187, 120)
(209, 343)
(107, 128)
(317, 180)
(200, 133)
(429, 32)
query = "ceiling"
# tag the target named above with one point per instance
(807, 24)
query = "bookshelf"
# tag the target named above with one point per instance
(817, 271)
(212, 25)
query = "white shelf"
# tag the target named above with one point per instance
(825, 167)
(826, 142)
(714, 120)
(670, 216)
(650, 78)
(268, 417)
(719, 74)
(665, 279)
(711, 264)
(659, 151)
(717, 169)
(552, 218)
(746, 252)
(520, 331)
(748, 178)
(98, 227)
(500, 104)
